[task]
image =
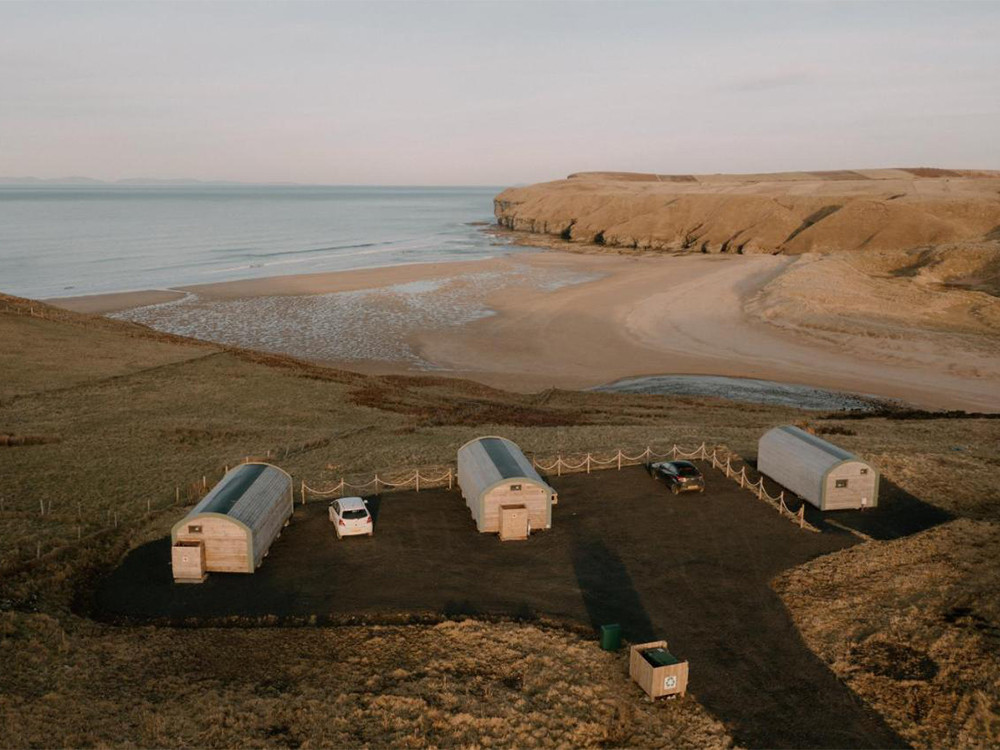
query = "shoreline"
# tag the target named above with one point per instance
(321, 282)
(618, 316)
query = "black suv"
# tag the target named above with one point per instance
(680, 476)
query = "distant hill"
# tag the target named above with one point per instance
(789, 212)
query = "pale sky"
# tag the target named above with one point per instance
(492, 93)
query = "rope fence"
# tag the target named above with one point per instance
(758, 489)
(79, 527)
(416, 480)
(719, 458)
(67, 524)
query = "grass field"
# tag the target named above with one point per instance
(131, 416)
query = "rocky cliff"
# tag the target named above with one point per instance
(794, 213)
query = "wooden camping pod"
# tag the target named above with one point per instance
(237, 521)
(816, 470)
(492, 472)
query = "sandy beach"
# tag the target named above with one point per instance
(531, 321)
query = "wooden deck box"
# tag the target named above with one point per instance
(188, 559)
(659, 673)
(513, 522)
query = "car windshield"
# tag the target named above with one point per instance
(686, 470)
(354, 514)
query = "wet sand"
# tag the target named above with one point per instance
(573, 320)
(685, 315)
(102, 304)
(291, 285)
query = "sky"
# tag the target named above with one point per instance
(492, 93)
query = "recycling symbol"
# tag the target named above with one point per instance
(670, 682)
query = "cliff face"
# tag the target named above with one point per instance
(797, 212)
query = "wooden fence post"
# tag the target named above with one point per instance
(619, 459)
(302, 491)
(41, 507)
(449, 478)
(559, 465)
(588, 463)
(417, 478)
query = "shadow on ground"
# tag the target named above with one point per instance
(693, 570)
(899, 513)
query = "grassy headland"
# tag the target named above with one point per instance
(131, 414)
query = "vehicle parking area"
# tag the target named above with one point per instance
(693, 569)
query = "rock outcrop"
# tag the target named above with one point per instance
(793, 213)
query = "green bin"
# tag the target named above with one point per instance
(611, 637)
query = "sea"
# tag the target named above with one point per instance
(64, 241)
(59, 241)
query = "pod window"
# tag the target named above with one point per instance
(515, 488)
(194, 529)
(841, 484)
(864, 471)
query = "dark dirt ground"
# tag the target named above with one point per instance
(694, 570)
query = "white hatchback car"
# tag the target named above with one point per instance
(350, 517)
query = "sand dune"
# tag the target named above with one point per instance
(791, 213)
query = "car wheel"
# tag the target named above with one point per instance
(675, 489)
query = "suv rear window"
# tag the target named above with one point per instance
(687, 471)
(352, 515)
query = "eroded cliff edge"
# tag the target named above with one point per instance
(791, 213)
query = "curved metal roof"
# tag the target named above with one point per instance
(245, 494)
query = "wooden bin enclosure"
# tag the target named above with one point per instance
(513, 523)
(492, 472)
(657, 681)
(235, 523)
(816, 470)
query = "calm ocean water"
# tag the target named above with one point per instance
(64, 241)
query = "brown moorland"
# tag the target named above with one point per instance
(138, 414)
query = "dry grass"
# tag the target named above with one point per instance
(155, 412)
(913, 626)
(457, 683)
(70, 682)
